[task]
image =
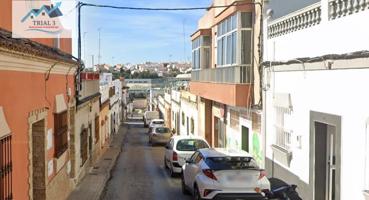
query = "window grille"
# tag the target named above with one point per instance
(6, 168)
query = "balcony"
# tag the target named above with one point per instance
(227, 85)
(233, 75)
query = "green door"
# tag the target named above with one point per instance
(245, 138)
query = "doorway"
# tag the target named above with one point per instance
(90, 140)
(219, 133)
(245, 139)
(188, 126)
(177, 124)
(325, 162)
(38, 160)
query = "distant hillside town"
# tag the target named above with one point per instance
(145, 70)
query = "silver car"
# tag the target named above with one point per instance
(159, 135)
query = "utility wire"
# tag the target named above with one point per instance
(160, 9)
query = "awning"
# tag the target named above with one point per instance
(60, 105)
(283, 100)
(4, 128)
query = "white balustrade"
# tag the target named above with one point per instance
(301, 19)
(341, 8)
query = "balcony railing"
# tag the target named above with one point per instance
(341, 8)
(301, 19)
(232, 74)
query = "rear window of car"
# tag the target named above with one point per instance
(162, 130)
(191, 145)
(158, 122)
(231, 163)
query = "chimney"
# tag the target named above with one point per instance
(52, 5)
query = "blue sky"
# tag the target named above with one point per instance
(139, 36)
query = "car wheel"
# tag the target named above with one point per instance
(196, 194)
(171, 172)
(165, 164)
(184, 189)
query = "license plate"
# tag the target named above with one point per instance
(238, 178)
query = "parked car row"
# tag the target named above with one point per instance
(215, 173)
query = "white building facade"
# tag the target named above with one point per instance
(315, 103)
(115, 104)
(189, 120)
(176, 110)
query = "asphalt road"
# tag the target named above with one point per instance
(139, 173)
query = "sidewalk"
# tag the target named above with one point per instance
(92, 185)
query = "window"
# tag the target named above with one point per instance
(246, 20)
(231, 163)
(6, 167)
(283, 136)
(194, 156)
(198, 158)
(183, 118)
(228, 38)
(246, 44)
(227, 45)
(192, 125)
(162, 130)
(191, 145)
(201, 52)
(61, 131)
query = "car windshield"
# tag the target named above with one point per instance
(191, 145)
(231, 163)
(158, 122)
(162, 130)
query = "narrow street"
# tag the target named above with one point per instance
(139, 172)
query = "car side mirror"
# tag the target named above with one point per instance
(188, 161)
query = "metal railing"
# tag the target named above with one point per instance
(6, 168)
(283, 137)
(232, 74)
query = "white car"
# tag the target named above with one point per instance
(156, 123)
(179, 149)
(159, 135)
(149, 116)
(224, 174)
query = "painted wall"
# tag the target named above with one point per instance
(190, 110)
(313, 91)
(18, 100)
(84, 117)
(104, 124)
